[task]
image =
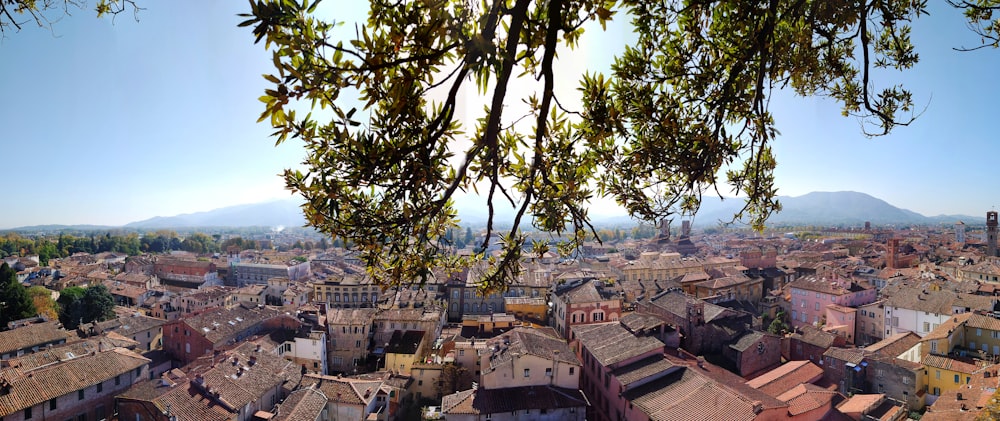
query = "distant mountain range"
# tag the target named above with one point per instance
(274, 213)
(844, 208)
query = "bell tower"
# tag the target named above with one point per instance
(991, 233)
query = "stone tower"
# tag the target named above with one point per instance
(891, 258)
(960, 232)
(991, 233)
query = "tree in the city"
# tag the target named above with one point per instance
(15, 14)
(15, 303)
(45, 305)
(684, 111)
(84, 305)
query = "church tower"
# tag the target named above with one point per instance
(991, 233)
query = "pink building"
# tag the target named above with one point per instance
(609, 350)
(840, 320)
(810, 296)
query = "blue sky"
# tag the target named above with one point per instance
(112, 121)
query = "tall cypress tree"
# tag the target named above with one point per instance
(15, 303)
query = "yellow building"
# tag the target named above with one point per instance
(946, 374)
(968, 334)
(959, 349)
(531, 309)
(405, 349)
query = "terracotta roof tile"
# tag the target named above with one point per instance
(31, 386)
(610, 343)
(221, 324)
(28, 336)
(688, 395)
(895, 345)
(510, 399)
(806, 397)
(344, 390)
(302, 405)
(947, 363)
(786, 377)
(642, 369)
(529, 341)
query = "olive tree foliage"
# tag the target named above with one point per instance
(980, 14)
(14, 14)
(683, 111)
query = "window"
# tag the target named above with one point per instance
(461, 353)
(52, 404)
(571, 370)
(548, 372)
(27, 413)
(927, 327)
(957, 379)
(937, 374)
(527, 372)
(817, 306)
(79, 395)
(979, 332)
(138, 371)
(100, 387)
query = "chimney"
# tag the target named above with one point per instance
(253, 360)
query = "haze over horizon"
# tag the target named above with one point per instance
(114, 121)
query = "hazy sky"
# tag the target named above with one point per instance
(109, 122)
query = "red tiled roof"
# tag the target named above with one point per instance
(31, 387)
(686, 394)
(31, 335)
(946, 363)
(302, 405)
(787, 376)
(511, 399)
(806, 397)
